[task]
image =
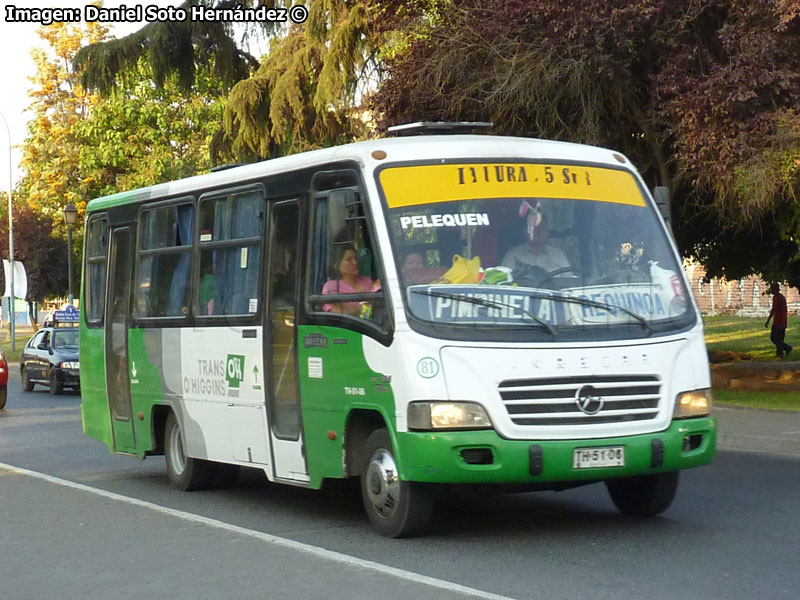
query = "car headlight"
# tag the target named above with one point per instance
(71, 365)
(426, 416)
(693, 404)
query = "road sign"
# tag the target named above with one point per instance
(69, 315)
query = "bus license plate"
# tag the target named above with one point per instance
(593, 458)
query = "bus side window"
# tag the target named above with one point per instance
(165, 258)
(95, 284)
(344, 258)
(231, 226)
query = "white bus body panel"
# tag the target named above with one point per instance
(228, 408)
(473, 372)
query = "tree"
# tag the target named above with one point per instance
(43, 255)
(701, 95)
(81, 145)
(311, 89)
(175, 52)
(51, 152)
(305, 93)
(173, 49)
(139, 135)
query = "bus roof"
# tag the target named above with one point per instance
(402, 149)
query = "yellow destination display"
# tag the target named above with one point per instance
(428, 184)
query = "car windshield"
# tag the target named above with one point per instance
(65, 339)
(575, 246)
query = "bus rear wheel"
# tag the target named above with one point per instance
(184, 473)
(396, 508)
(645, 495)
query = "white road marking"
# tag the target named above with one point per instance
(266, 537)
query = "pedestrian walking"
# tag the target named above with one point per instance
(779, 317)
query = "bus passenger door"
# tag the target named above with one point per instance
(117, 321)
(280, 353)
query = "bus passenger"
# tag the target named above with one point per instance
(415, 272)
(348, 282)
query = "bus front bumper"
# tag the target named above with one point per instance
(485, 457)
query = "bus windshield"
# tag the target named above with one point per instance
(538, 249)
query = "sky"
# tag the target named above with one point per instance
(16, 65)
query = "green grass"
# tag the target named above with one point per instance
(760, 400)
(745, 334)
(12, 356)
(748, 335)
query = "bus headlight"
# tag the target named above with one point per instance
(425, 416)
(693, 404)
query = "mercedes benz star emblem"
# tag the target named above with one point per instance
(588, 401)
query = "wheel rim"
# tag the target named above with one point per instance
(382, 484)
(176, 456)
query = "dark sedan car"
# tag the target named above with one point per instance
(51, 358)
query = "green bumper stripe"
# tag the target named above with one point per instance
(435, 457)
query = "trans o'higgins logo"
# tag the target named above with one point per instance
(234, 370)
(588, 400)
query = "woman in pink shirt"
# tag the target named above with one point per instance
(349, 282)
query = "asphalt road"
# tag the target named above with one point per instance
(77, 522)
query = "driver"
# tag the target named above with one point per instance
(536, 252)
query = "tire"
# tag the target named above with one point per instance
(184, 473)
(27, 384)
(55, 387)
(3, 396)
(396, 508)
(645, 495)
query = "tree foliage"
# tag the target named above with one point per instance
(81, 145)
(51, 151)
(172, 50)
(139, 135)
(307, 91)
(702, 95)
(43, 255)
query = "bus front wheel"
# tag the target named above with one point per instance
(184, 473)
(396, 508)
(645, 495)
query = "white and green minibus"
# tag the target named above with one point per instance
(418, 312)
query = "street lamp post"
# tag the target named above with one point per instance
(10, 244)
(70, 216)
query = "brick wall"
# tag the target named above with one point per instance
(744, 297)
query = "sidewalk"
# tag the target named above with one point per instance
(748, 430)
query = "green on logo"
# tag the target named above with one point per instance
(428, 367)
(234, 370)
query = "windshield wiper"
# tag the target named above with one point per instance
(488, 304)
(596, 304)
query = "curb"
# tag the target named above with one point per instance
(753, 430)
(757, 443)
